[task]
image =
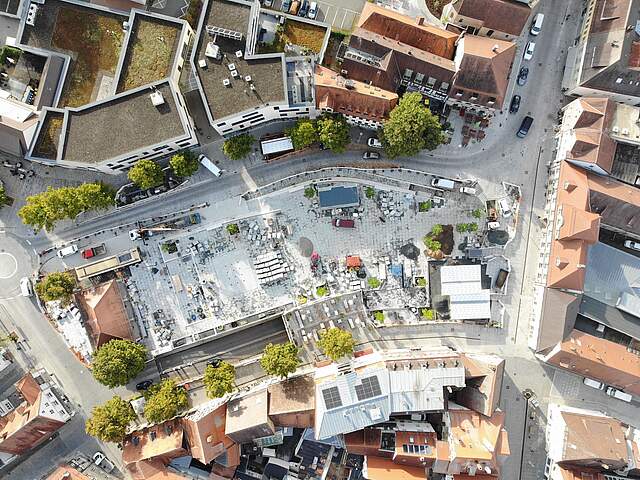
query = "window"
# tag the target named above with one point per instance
(431, 81)
(444, 86)
(474, 96)
(331, 397)
(408, 73)
(419, 78)
(369, 388)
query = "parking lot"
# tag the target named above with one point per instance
(340, 15)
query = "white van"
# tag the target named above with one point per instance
(619, 394)
(593, 383)
(25, 287)
(536, 25)
(443, 183)
(66, 251)
(209, 165)
(505, 207)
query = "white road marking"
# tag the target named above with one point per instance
(3, 274)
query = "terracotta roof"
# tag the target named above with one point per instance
(579, 225)
(485, 66)
(293, 395)
(152, 470)
(570, 473)
(163, 440)
(352, 97)
(106, 316)
(205, 434)
(500, 15)
(65, 472)
(483, 375)
(591, 437)
(477, 437)
(401, 28)
(353, 261)
(616, 202)
(29, 389)
(384, 469)
(598, 358)
(567, 260)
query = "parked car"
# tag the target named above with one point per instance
(522, 76)
(144, 385)
(524, 126)
(632, 245)
(267, 3)
(26, 289)
(619, 394)
(373, 142)
(103, 462)
(493, 225)
(91, 252)
(313, 11)
(468, 190)
(593, 383)
(304, 9)
(515, 104)
(343, 223)
(505, 207)
(66, 251)
(370, 156)
(214, 362)
(536, 25)
(286, 5)
(443, 183)
(528, 51)
(295, 6)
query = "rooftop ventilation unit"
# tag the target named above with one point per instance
(31, 14)
(226, 82)
(156, 98)
(247, 78)
(252, 86)
(625, 131)
(212, 51)
(223, 32)
(349, 84)
(615, 129)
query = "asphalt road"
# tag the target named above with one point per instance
(238, 345)
(500, 157)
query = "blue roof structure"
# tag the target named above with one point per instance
(339, 197)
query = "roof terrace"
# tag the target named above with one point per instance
(256, 81)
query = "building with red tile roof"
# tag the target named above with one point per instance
(34, 420)
(106, 317)
(501, 19)
(360, 103)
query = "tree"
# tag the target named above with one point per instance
(333, 132)
(218, 381)
(146, 174)
(108, 422)
(336, 343)
(373, 282)
(46, 208)
(303, 134)
(309, 192)
(280, 359)
(118, 361)
(165, 401)
(477, 213)
(233, 229)
(370, 192)
(56, 286)
(411, 127)
(238, 147)
(184, 164)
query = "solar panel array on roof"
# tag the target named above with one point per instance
(332, 398)
(369, 388)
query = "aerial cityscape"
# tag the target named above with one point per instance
(320, 239)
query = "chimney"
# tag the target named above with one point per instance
(495, 48)
(420, 20)
(561, 262)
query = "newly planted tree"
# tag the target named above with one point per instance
(117, 362)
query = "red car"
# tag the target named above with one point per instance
(93, 251)
(344, 223)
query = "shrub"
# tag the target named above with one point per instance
(233, 229)
(373, 282)
(378, 316)
(428, 313)
(322, 291)
(369, 192)
(477, 213)
(461, 227)
(424, 206)
(436, 230)
(421, 282)
(310, 192)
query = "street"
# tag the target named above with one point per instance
(500, 157)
